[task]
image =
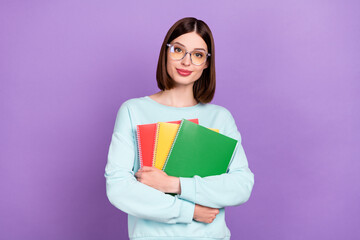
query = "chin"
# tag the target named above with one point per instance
(185, 81)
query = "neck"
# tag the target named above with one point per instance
(178, 97)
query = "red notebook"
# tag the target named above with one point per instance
(146, 134)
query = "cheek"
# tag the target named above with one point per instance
(170, 67)
(198, 73)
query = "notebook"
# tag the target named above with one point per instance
(165, 136)
(146, 134)
(197, 150)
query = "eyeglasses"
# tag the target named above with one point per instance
(178, 52)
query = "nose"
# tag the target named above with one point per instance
(186, 61)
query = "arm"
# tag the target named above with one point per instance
(131, 196)
(229, 189)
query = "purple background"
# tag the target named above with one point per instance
(287, 70)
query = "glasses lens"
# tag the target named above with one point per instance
(198, 57)
(177, 52)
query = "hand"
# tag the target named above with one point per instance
(205, 214)
(157, 179)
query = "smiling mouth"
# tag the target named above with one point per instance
(183, 72)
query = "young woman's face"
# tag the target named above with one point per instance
(190, 41)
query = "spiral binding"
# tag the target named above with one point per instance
(173, 144)
(156, 143)
(139, 144)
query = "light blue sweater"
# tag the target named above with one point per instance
(154, 215)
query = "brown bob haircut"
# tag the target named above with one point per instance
(204, 87)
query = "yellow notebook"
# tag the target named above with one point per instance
(165, 135)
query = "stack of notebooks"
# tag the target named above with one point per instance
(184, 148)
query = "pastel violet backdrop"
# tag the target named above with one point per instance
(287, 70)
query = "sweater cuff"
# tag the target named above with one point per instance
(186, 212)
(188, 190)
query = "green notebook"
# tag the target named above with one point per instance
(197, 150)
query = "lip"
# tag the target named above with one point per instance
(183, 72)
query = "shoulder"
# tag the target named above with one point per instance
(125, 108)
(220, 110)
(131, 102)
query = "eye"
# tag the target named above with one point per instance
(199, 55)
(177, 49)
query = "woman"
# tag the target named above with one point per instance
(186, 78)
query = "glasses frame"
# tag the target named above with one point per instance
(190, 53)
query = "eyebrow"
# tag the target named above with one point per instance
(194, 48)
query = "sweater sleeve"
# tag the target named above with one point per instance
(129, 195)
(229, 189)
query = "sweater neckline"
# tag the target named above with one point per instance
(170, 107)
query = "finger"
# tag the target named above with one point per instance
(141, 169)
(146, 168)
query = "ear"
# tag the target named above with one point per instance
(206, 64)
